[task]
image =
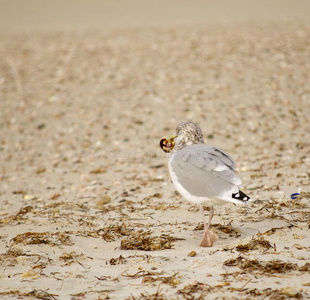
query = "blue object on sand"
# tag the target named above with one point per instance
(295, 195)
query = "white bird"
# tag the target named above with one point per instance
(202, 174)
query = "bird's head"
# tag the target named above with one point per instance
(187, 133)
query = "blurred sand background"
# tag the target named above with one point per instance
(87, 90)
(81, 15)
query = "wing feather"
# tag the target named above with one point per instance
(205, 171)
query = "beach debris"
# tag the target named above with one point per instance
(295, 195)
(40, 170)
(158, 295)
(106, 278)
(29, 197)
(155, 195)
(157, 166)
(228, 229)
(9, 258)
(109, 233)
(142, 240)
(192, 254)
(172, 280)
(18, 216)
(271, 231)
(12, 253)
(269, 293)
(39, 294)
(102, 202)
(98, 170)
(305, 268)
(255, 244)
(55, 196)
(152, 276)
(264, 268)
(71, 256)
(116, 261)
(115, 230)
(141, 273)
(303, 195)
(188, 291)
(31, 274)
(31, 238)
(103, 296)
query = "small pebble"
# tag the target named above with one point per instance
(29, 197)
(192, 254)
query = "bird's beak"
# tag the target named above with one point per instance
(167, 145)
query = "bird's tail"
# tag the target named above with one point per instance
(241, 197)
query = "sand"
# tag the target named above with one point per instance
(88, 210)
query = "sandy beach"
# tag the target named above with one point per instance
(88, 210)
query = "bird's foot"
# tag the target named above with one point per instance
(208, 239)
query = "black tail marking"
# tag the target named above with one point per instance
(241, 196)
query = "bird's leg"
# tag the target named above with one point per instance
(203, 216)
(211, 214)
(209, 237)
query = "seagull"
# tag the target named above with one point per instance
(202, 174)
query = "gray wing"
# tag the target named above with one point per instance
(206, 171)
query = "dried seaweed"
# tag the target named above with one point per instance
(170, 280)
(146, 296)
(109, 233)
(305, 268)
(144, 241)
(271, 231)
(275, 294)
(13, 253)
(141, 273)
(106, 278)
(188, 291)
(98, 170)
(39, 294)
(55, 196)
(145, 257)
(231, 274)
(18, 216)
(148, 198)
(70, 256)
(255, 244)
(269, 267)
(304, 195)
(101, 203)
(117, 261)
(163, 206)
(303, 216)
(228, 229)
(10, 255)
(152, 276)
(118, 230)
(31, 238)
(158, 205)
